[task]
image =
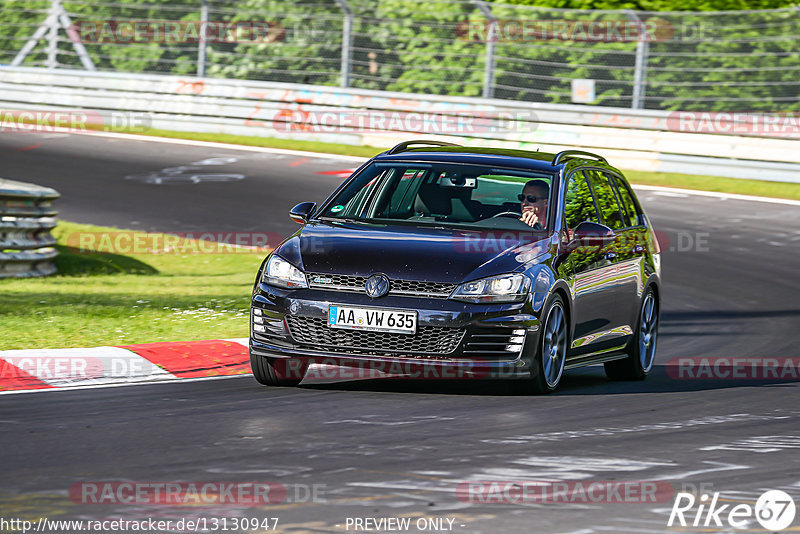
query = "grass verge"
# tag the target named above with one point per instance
(106, 298)
(738, 186)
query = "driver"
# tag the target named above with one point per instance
(534, 199)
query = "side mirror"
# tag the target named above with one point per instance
(302, 212)
(589, 234)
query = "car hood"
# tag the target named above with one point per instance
(410, 252)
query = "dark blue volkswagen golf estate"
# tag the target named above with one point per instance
(441, 261)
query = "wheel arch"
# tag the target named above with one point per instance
(655, 284)
(561, 289)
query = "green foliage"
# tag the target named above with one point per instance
(18, 21)
(699, 60)
(305, 46)
(578, 203)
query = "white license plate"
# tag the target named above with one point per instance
(373, 319)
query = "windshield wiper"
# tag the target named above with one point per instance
(347, 219)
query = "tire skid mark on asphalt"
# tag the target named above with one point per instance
(414, 420)
(342, 173)
(759, 444)
(30, 147)
(649, 427)
(719, 466)
(300, 161)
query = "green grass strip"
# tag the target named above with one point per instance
(110, 295)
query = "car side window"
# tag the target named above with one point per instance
(398, 201)
(630, 211)
(357, 194)
(578, 203)
(610, 212)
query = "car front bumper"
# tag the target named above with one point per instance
(453, 340)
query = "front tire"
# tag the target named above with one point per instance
(642, 348)
(552, 350)
(281, 372)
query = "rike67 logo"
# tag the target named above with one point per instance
(774, 511)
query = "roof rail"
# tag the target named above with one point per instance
(405, 144)
(567, 153)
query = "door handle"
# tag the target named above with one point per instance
(638, 249)
(611, 255)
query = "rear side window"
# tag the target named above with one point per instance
(578, 202)
(610, 212)
(630, 212)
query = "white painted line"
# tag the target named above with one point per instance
(66, 368)
(670, 194)
(212, 144)
(240, 340)
(723, 196)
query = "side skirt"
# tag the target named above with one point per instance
(592, 359)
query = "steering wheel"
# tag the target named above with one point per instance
(514, 214)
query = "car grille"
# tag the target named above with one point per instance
(427, 341)
(344, 282)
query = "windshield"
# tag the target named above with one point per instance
(446, 195)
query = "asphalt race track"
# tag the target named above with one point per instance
(383, 449)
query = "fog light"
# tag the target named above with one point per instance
(517, 339)
(513, 348)
(259, 328)
(518, 332)
(257, 319)
(257, 311)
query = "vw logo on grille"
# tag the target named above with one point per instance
(377, 285)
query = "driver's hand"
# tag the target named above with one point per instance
(529, 217)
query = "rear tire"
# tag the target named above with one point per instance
(552, 350)
(642, 348)
(281, 372)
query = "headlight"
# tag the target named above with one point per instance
(281, 273)
(503, 288)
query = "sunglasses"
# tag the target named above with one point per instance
(532, 199)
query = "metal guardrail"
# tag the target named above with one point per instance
(26, 219)
(647, 140)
